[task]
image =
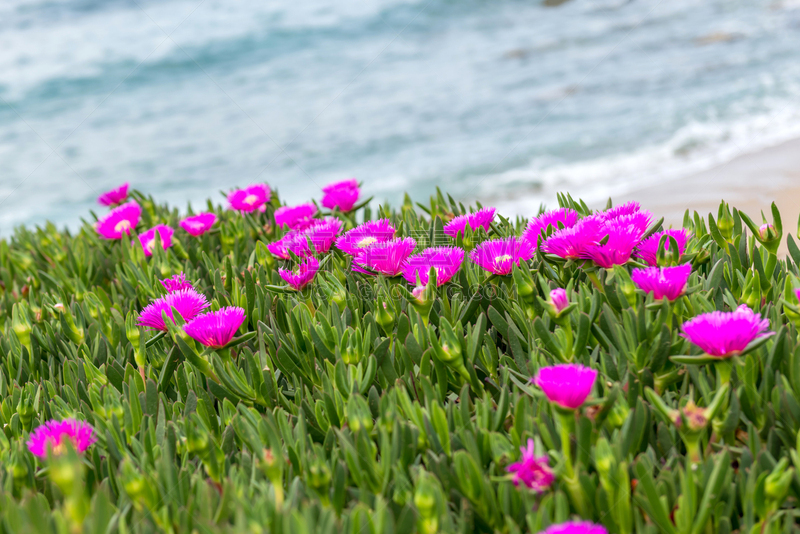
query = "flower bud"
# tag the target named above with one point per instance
(558, 301)
(426, 496)
(777, 484)
(21, 323)
(696, 418)
(384, 316)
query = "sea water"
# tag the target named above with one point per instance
(488, 99)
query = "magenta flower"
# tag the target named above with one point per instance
(499, 256)
(564, 217)
(302, 275)
(361, 237)
(726, 334)
(617, 249)
(176, 283)
(199, 224)
(250, 198)
(120, 221)
(188, 302)
(533, 471)
(571, 243)
(446, 261)
(648, 249)
(387, 258)
(54, 434)
(280, 248)
(639, 221)
(667, 282)
(321, 233)
(623, 209)
(480, 219)
(295, 216)
(115, 196)
(575, 527)
(559, 300)
(216, 329)
(148, 238)
(566, 385)
(342, 195)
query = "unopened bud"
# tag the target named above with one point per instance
(558, 300)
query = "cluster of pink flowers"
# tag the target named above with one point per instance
(187, 302)
(303, 273)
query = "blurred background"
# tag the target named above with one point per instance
(504, 101)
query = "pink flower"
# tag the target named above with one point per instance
(302, 275)
(216, 329)
(53, 434)
(499, 256)
(295, 216)
(250, 198)
(321, 233)
(648, 249)
(188, 302)
(148, 238)
(571, 243)
(726, 334)
(280, 248)
(115, 196)
(446, 261)
(667, 282)
(623, 209)
(361, 237)
(565, 217)
(637, 223)
(176, 283)
(480, 219)
(199, 224)
(559, 300)
(120, 221)
(342, 195)
(566, 385)
(533, 471)
(575, 527)
(385, 258)
(617, 249)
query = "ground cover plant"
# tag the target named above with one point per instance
(335, 368)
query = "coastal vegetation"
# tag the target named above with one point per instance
(333, 367)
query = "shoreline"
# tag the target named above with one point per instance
(750, 182)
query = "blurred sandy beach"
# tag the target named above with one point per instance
(750, 183)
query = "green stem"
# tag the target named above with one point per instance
(573, 486)
(596, 281)
(724, 370)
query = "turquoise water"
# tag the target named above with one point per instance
(507, 101)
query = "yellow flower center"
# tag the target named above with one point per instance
(504, 257)
(123, 226)
(250, 200)
(367, 241)
(150, 246)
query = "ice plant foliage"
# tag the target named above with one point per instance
(148, 238)
(445, 260)
(498, 256)
(387, 258)
(648, 249)
(250, 198)
(480, 219)
(188, 302)
(567, 385)
(120, 221)
(302, 275)
(176, 283)
(726, 334)
(295, 216)
(666, 282)
(216, 329)
(197, 225)
(557, 219)
(342, 195)
(362, 237)
(575, 527)
(54, 434)
(115, 196)
(286, 403)
(531, 470)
